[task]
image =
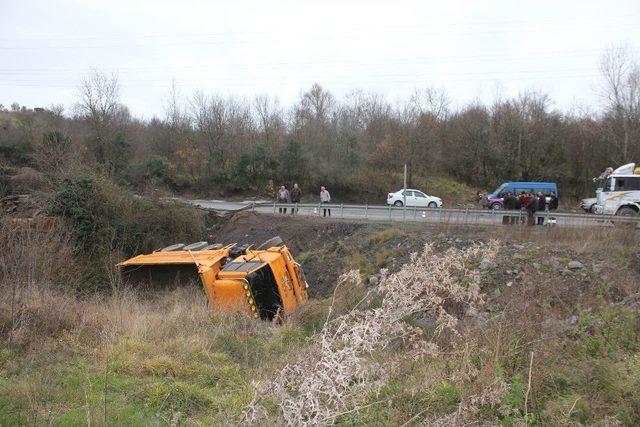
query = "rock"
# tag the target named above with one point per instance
(565, 272)
(573, 319)
(553, 262)
(373, 280)
(497, 292)
(486, 264)
(509, 284)
(575, 265)
(536, 266)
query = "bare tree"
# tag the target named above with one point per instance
(174, 113)
(225, 126)
(621, 72)
(99, 96)
(270, 121)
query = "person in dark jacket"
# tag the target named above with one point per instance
(520, 204)
(296, 195)
(553, 202)
(541, 207)
(510, 202)
(531, 207)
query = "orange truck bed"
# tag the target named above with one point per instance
(265, 283)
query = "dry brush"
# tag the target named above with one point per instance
(355, 354)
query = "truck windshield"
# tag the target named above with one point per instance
(264, 289)
(608, 184)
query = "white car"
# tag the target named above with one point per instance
(414, 198)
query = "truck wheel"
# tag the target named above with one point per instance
(274, 241)
(172, 248)
(398, 203)
(627, 212)
(194, 247)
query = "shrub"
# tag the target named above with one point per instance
(106, 218)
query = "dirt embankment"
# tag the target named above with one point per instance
(537, 257)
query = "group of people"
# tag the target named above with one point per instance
(531, 203)
(295, 195)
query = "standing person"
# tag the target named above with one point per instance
(296, 195)
(553, 201)
(542, 206)
(283, 197)
(520, 204)
(531, 206)
(325, 198)
(510, 204)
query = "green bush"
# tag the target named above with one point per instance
(107, 219)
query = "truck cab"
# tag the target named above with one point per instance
(620, 194)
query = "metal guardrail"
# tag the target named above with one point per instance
(439, 215)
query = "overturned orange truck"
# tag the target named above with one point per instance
(265, 283)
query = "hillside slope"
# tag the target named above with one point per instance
(499, 326)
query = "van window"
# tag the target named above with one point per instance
(627, 184)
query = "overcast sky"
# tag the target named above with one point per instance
(472, 49)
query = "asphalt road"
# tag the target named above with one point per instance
(410, 214)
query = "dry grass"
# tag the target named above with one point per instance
(429, 345)
(343, 364)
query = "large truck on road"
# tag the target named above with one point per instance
(620, 193)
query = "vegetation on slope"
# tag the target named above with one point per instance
(135, 357)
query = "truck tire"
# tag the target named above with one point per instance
(626, 211)
(197, 246)
(237, 251)
(213, 247)
(274, 241)
(173, 248)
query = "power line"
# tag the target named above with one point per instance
(288, 82)
(455, 73)
(363, 28)
(298, 39)
(307, 64)
(83, 71)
